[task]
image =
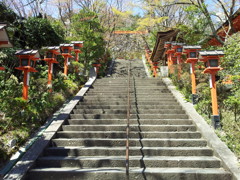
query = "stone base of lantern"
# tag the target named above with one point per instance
(194, 98)
(216, 121)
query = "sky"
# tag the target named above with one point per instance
(133, 5)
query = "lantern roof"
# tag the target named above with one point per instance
(29, 52)
(77, 42)
(52, 48)
(66, 45)
(4, 39)
(56, 49)
(211, 53)
(191, 47)
(177, 44)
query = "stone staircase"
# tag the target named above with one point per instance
(164, 142)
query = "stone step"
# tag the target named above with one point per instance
(145, 107)
(132, 85)
(106, 98)
(133, 127)
(124, 94)
(133, 151)
(132, 102)
(91, 142)
(93, 96)
(132, 116)
(111, 173)
(100, 90)
(136, 161)
(123, 88)
(132, 134)
(124, 111)
(132, 121)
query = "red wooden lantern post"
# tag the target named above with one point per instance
(66, 53)
(155, 67)
(4, 40)
(28, 60)
(178, 47)
(169, 53)
(50, 58)
(192, 59)
(96, 65)
(212, 66)
(76, 48)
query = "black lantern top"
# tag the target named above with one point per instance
(66, 48)
(27, 57)
(192, 47)
(211, 58)
(178, 47)
(191, 51)
(211, 53)
(77, 44)
(51, 51)
(4, 39)
(28, 52)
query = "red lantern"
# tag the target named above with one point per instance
(66, 53)
(211, 60)
(76, 48)
(50, 58)
(192, 58)
(28, 60)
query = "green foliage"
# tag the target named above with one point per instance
(86, 27)
(231, 61)
(231, 65)
(39, 33)
(195, 31)
(7, 59)
(7, 14)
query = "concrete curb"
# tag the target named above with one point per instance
(229, 160)
(145, 66)
(27, 161)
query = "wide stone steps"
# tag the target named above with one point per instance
(133, 122)
(122, 134)
(133, 127)
(133, 116)
(143, 106)
(122, 111)
(150, 142)
(136, 161)
(132, 103)
(134, 151)
(164, 143)
(135, 173)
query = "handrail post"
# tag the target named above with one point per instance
(128, 124)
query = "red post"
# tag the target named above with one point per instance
(155, 67)
(211, 60)
(25, 84)
(193, 77)
(50, 71)
(214, 94)
(27, 59)
(65, 65)
(76, 57)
